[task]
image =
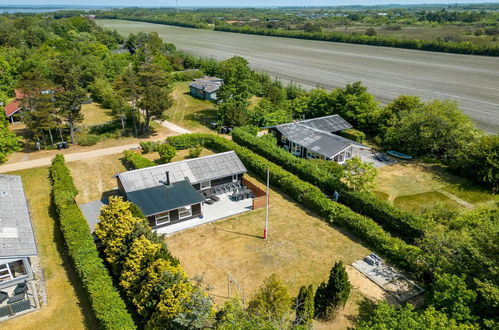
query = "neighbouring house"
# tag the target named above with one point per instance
(12, 110)
(316, 138)
(17, 248)
(176, 192)
(205, 88)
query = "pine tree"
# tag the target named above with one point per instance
(272, 302)
(305, 306)
(333, 295)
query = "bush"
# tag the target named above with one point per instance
(135, 161)
(333, 294)
(311, 197)
(354, 135)
(87, 139)
(149, 146)
(166, 152)
(195, 152)
(399, 222)
(106, 302)
(187, 75)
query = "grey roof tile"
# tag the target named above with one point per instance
(196, 170)
(16, 232)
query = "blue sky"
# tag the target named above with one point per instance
(225, 3)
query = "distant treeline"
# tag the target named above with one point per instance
(324, 25)
(429, 45)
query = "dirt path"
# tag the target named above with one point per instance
(70, 157)
(456, 199)
(173, 127)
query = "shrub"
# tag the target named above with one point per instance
(87, 139)
(149, 146)
(354, 135)
(311, 197)
(187, 75)
(166, 152)
(106, 302)
(133, 160)
(195, 152)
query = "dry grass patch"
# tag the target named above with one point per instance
(190, 112)
(67, 305)
(95, 114)
(94, 176)
(301, 249)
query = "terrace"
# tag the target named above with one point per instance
(17, 299)
(223, 208)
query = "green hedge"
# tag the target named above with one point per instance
(354, 135)
(135, 161)
(106, 302)
(405, 255)
(393, 219)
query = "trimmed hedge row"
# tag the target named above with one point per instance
(403, 254)
(135, 161)
(106, 302)
(393, 219)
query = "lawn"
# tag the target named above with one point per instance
(189, 112)
(67, 306)
(301, 254)
(95, 114)
(301, 249)
(415, 186)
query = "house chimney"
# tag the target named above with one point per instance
(167, 178)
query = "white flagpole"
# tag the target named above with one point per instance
(266, 230)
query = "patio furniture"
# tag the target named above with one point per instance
(209, 201)
(3, 296)
(21, 288)
(214, 197)
(16, 298)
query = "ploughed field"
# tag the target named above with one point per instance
(472, 81)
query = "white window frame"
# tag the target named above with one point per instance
(188, 209)
(162, 218)
(234, 177)
(205, 185)
(284, 139)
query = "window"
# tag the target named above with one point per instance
(184, 212)
(162, 218)
(295, 149)
(12, 270)
(234, 178)
(205, 184)
(283, 139)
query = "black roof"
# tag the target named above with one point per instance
(165, 198)
(331, 124)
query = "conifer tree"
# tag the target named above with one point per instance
(305, 306)
(333, 295)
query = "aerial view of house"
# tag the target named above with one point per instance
(12, 109)
(175, 192)
(17, 246)
(205, 88)
(316, 138)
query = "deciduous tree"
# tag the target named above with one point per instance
(359, 175)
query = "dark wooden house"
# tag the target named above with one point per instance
(171, 193)
(316, 138)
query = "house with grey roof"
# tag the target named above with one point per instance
(316, 138)
(17, 247)
(205, 88)
(175, 192)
